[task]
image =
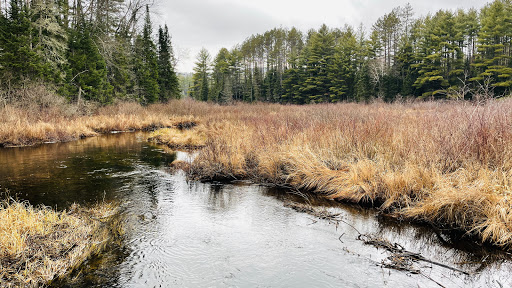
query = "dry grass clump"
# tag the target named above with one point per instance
(179, 139)
(38, 245)
(184, 134)
(445, 163)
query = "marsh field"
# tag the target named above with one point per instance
(445, 166)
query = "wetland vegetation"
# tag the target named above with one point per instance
(39, 245)
(412, 119)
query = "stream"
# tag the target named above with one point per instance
(182, 233)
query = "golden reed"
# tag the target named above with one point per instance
(449, 164)
(39, 245)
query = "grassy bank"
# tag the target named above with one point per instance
(444, 163)
(38, 245)
(20, 127)
(449, 164)
(185, 134)
(39, 116)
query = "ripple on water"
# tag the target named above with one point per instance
(187, 234)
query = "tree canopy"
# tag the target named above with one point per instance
(90, 50)
(437, 56)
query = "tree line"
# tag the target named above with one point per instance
(450, 54)
(96, 50)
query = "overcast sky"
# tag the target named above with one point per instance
(214, 24)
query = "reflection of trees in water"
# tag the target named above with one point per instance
(220, 199)
(84, 171)
(19, 161)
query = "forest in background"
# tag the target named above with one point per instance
(463, 54)
(103, 50)
(97, 50)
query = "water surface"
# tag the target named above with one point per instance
(183, 233)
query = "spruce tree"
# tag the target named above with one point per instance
(200, 90)
(19, 59)
(121, 68)
(146, 64)
(87, 72)
(220, 90)
(167, 79)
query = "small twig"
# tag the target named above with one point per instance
(430, 278)
(78, 75)
(339, 238)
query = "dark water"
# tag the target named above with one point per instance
(190, 234)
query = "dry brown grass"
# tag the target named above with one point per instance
(36, 114)
(446, 163)
(179, 139)
(22, 126)
(38, 245)
(186, 133)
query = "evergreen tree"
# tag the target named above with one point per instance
(200, 90)
(342, 69)
(221, 86)
(167, 79)
(441, 59)
(317, 59)
(87, 74)
(90, 50)
(291, 82)
(121, 71)
(146, 64)
(50, 36)
(19, 59)
(495, 40)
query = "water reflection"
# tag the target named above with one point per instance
(85, 171)
(185, 233)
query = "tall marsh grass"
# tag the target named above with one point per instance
(37, 115)
(39, 245)
(449, 164)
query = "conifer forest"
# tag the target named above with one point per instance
(125, 162)
(105, 50)
(91, 50)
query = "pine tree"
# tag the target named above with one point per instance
(317, 57)
(200, 90)
(495, 40)
(342, 69)
(441, 60)
(167, 79)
